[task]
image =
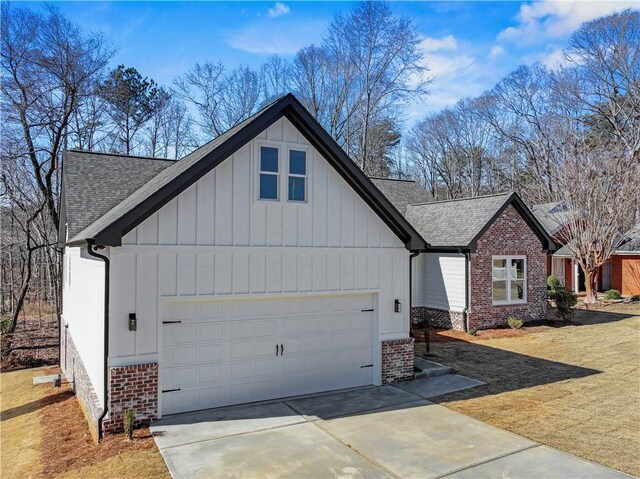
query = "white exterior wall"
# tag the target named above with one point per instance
(83, 311)
(439, 281)
(216, 240)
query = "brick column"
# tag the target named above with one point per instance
(397, 360)
(132, 386)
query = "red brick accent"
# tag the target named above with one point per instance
(397, 360)
(438, 318)
(132, 386)
(74, 371)
(509, 234)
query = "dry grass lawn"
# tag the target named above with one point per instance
(43, 433)
(576, 388)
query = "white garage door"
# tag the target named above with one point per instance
(220, 353)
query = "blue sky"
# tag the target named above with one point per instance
(468, 46)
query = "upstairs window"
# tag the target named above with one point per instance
(297, 176)
(269, 173)
(509, 279)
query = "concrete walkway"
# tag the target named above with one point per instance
(372, 432)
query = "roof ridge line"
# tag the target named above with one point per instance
(392, 179)
(121, 155)
(506, 193)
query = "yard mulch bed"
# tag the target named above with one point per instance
(575, 387)
(60, 444)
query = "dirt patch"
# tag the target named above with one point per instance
(60, 442)
(572, 387)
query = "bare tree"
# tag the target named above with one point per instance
(223, 99)
(597, 186)
(387, 64)
(49, 67)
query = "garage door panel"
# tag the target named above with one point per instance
(217, 360)
(211, 352)
(241, 370)
(211, 332)
(213, 373)
(266, 328)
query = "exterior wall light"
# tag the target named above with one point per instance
(397, 306)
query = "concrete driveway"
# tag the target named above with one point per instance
(369, 432)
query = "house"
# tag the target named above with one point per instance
(621, 272)
(486, 261)
(264, 264)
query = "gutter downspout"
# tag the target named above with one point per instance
(411, 256)
(92, 252)
(467, 287)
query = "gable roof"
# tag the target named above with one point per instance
(402, 193)
(458, 224)
(93, 183)
(109, 228)
(632, 242)
(552, 216)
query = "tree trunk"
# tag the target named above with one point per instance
(589, 285)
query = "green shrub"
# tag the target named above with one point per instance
(473, 332)
(565, 301)
(553, 283)
(612, 294)
(514, 323)
(129, 418)
(5, 325)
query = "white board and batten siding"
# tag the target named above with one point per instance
(217, 242)
(83, 312)
(439, 281)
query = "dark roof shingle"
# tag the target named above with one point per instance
(94, 183)
(402, 193)
(454, 223)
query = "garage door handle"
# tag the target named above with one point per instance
(281, 350)
(170, 390)
(276, 349)
(171, 322)
(366, 310)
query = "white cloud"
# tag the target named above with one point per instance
(261, 40)
(278, 10)
(545, 20)
(429, 44)
(496, 51)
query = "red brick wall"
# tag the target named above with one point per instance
(625, 274)
(397, 360)
(132, 386)
(508, 235)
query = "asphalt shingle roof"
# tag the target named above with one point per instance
(551, 216)
(633, 241)
(455, 222)
(95, 182)
(402, 193)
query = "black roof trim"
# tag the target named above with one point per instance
(292, 109)
(547, 242)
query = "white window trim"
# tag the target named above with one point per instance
(508, 258)
(294, 175)
(260, 172)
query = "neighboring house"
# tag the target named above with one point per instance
(621, 272)
(486, 262)
(264, 264)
